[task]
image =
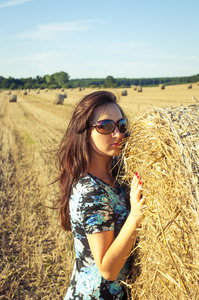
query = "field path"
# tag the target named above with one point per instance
(36, 256)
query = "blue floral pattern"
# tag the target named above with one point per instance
(95, 207)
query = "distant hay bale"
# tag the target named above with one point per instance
(59, 99)
(124, 93)
(62, 90)
(139, 89)
(189, 86)
(13, 98)
(164, 148)
(80, 89)
(38, 91)
(9, 92)
(65, 95)
(162, 86)
(25, 92)
(198, 83)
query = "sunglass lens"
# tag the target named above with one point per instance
(106, 126)
(122, 126)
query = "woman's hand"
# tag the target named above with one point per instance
(136, 199)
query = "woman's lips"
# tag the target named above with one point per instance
(115, 144)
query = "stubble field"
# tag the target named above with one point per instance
(36, 255)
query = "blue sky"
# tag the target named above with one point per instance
(94, 39)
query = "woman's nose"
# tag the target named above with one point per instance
(116, 132)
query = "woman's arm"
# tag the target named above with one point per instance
(111, 254)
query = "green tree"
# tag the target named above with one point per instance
(13, 86)
(110, 81)
(5, 84)
(61, 78)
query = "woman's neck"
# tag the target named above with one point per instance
(102, 170)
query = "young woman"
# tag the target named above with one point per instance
(92, 203)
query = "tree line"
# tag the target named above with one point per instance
(62, 80)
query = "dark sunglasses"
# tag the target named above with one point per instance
(108, 126)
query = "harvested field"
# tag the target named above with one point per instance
(36, 255)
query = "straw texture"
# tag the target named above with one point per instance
(164, 148)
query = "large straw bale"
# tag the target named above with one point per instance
(164, 148)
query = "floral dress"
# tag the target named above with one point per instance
(95, 207)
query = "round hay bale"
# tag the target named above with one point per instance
(124, 93)
(163, 148)
(162, 86)
(189, 86)
(13, 98)
(139, 89)
(80, 89)
(65, 95)
(9, 92)
(25, 92)
(38, 91)
(135, 88)
(59, 99)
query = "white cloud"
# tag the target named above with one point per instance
(180, 57)
(51, 30)
(13, 3)
(170, 57)
(45, 56)
(16, 45)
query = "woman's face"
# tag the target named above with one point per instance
(106, 144)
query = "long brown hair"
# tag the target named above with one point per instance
(73, 157)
